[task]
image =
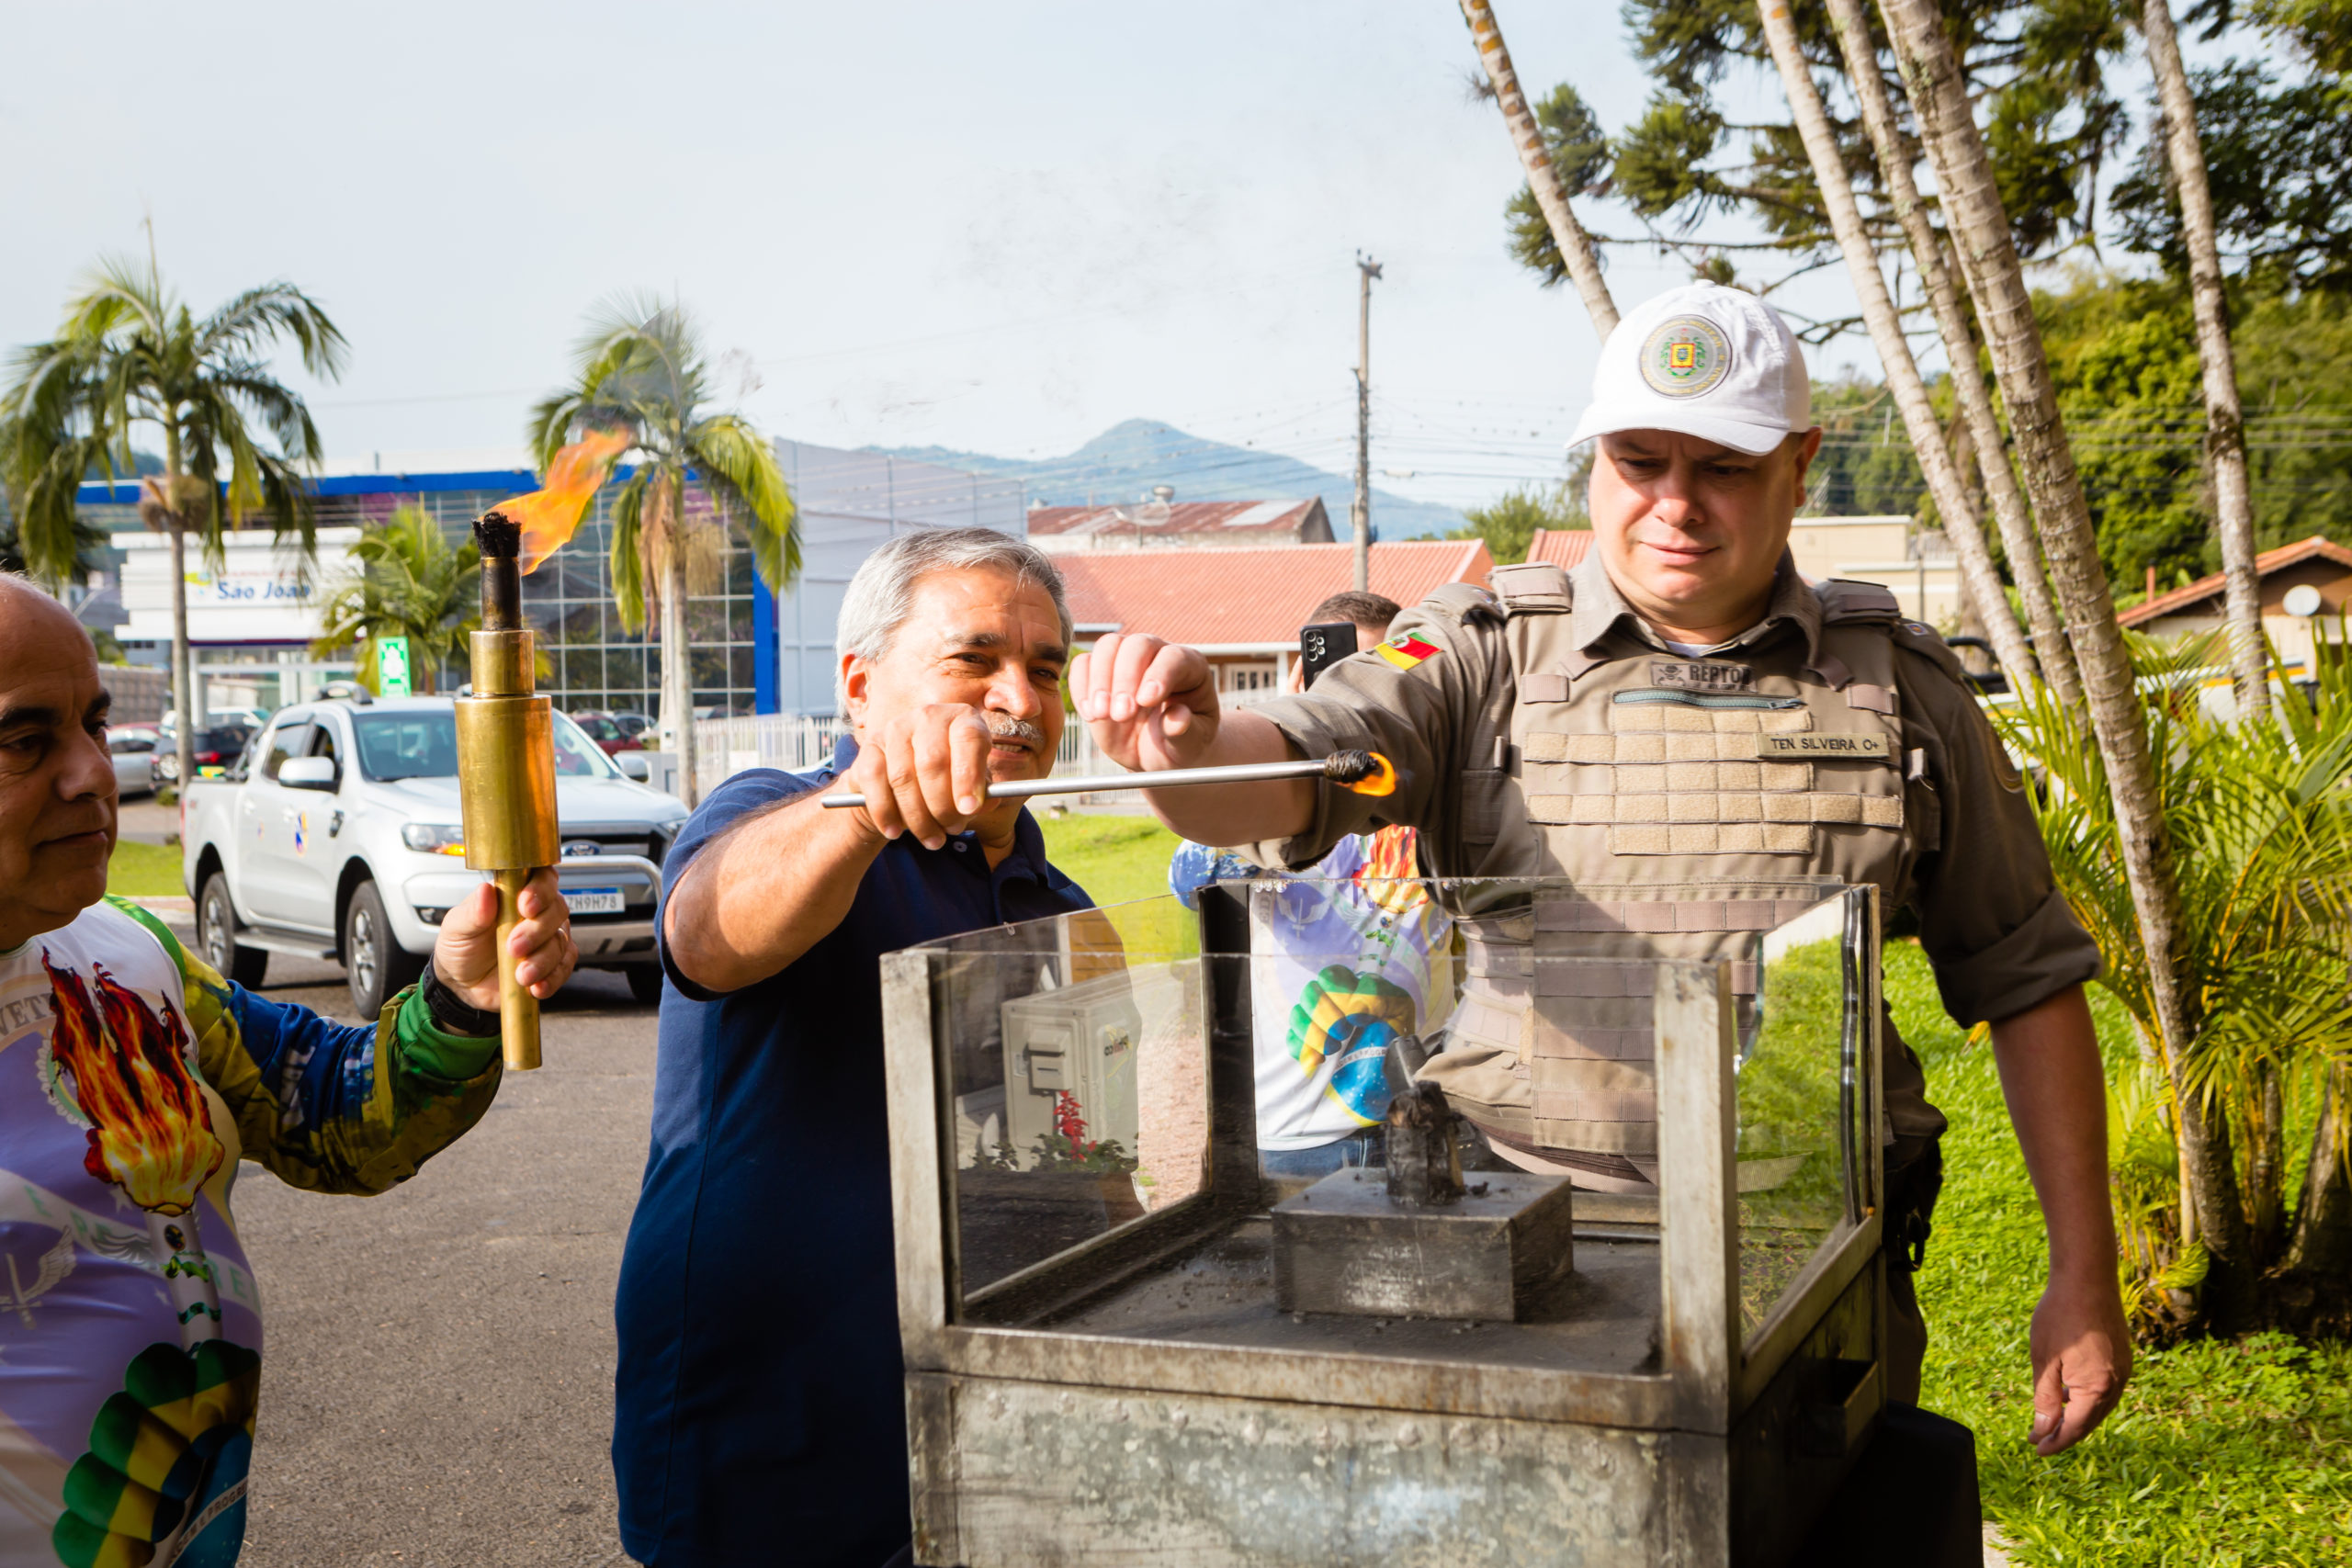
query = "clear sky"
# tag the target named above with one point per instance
(1003, 227)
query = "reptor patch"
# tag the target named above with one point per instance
(1695, 675)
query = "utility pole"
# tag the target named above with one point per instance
(1367, 269)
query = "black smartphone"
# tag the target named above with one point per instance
(1323, 645)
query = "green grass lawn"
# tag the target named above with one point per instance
(2234, 1454)
(1113, 858)
(1118, 860)
(143, 871)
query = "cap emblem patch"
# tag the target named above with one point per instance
(1687, 357)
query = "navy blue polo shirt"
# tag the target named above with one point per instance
(760, 1411)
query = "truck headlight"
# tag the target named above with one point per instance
(434, 838)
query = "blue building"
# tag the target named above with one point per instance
(753, 651)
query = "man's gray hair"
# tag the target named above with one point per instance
(883, 591)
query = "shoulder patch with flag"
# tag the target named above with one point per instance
(1405, 650)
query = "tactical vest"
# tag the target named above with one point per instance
(1695, 803)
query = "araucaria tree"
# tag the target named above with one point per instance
(406, 581)
(131, 356)
(642, 371)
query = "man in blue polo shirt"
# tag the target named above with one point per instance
(760, 1414)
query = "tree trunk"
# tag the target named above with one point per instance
(677, 673)
(2224, 423)
(183, 657)
(1995, 279)
(2311, 1293)
(1982, 582)
(2266, 1168)
(2009, 512)
(1575, 245)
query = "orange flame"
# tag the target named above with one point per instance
(550, 516)
(1382, 780)
(150, 1131)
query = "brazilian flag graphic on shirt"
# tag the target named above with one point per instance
(1350, 1020)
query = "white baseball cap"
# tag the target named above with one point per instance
(1702, 360)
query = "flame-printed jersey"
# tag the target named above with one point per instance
(133, 1078)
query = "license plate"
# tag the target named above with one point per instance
(593, 901)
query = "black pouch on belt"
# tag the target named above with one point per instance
(1914, 1176)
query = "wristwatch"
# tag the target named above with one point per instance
(452, 1014)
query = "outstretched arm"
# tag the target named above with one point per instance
(331, 1107)
(771, 886)
(1152, 706)
(2050, 1075)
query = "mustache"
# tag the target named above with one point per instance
(1002, 727)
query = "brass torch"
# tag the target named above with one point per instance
(506, 770)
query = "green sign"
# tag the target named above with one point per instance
(392, 666)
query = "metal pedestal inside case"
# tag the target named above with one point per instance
(1126, 1351)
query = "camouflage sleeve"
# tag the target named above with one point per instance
(1415, 699)
(1992, 920)
(308, 1095)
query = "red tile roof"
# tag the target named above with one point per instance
(1561, 547)
(1245, 521)
(2264, 564)
(1253, 598)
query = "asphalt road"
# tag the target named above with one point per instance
(436, 1388)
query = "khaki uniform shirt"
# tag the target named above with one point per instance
(1545, 730)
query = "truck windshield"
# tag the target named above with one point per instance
(424, 744)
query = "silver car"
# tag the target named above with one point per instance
(132, 746)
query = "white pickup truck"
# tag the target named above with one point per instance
(338, 836)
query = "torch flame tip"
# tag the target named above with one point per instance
(500, 537)
(1363, 773)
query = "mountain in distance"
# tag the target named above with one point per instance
(1120, 466)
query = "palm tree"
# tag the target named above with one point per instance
(408, 580)
(2261, 817)
(1928, 248)
(130, 353)
(1952, 500)
(2225, 422)
(641, 371)
(1980, 226)
(1576, 246)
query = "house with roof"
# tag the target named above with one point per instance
(1164, 523)
(2305, 588)
(1564, 547)
(1243, 608)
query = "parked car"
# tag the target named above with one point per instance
(132, 746)
(218, 719)
(342, 839)
(215, 751)
(605, 731)
(633, 725)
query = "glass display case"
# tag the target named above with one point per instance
(1614, 1293)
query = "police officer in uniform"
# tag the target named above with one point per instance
(1702, 741)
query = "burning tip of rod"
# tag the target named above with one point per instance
(1365, 773)
(499, 538)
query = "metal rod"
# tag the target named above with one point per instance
(1347, 767)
